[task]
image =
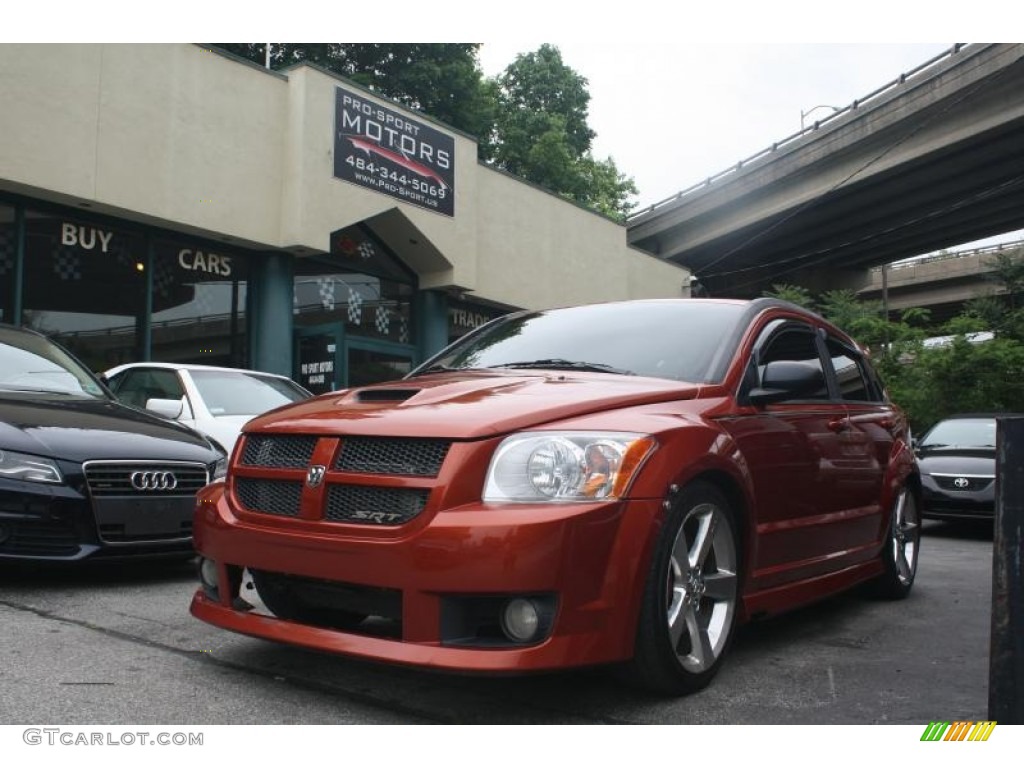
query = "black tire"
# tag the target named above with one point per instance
(685, 627)
(285, 602)
(901, 549)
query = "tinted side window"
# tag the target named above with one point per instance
(796, 345)
(850, 372)
(136, 387)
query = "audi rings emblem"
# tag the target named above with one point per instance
(154, 481)
(961, 482)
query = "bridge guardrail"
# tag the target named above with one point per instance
(855, 104)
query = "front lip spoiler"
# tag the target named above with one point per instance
(425, 655)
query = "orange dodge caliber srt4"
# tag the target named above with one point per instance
(620, 483)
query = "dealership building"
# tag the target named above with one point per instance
(175, 203)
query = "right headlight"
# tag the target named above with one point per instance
(23, 466)
(536, 467)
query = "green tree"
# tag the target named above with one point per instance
(541, 134)
(795, 294)
(530, 121)
(442, 80)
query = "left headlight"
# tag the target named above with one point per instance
(22, 466)
(219, 468)
(565, 466)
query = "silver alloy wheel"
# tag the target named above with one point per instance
(701, 587)
(905, 533)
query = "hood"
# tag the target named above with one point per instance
(81, 429)
(468, 404)
(952, 462)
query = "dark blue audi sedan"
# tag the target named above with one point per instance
(83, 476)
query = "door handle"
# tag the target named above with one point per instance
(839, 425)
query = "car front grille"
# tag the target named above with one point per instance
(144, 479)
(119, 533)
(374, 505)
(410, 456)
(278, 450)
(49, 538)
(961, 483)
(271, 497)
(275, 475)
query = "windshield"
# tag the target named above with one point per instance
(681, 340)
(31, 363)
(962, 433)
(239, 393)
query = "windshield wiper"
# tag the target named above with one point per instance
(439, 368)
(567, 365)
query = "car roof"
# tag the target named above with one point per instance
(989, 415)
(189, 367)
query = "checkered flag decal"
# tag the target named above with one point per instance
(326, 287)
(163, 278)
(6, 252)
(366, 249)
(355, 307)
(67, 264)
(382, 319)
(403, 331)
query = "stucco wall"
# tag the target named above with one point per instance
(540, 251)
(176, 135)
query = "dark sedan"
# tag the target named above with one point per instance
(957, 458)
(83, 476)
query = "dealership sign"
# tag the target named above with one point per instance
(382, 149)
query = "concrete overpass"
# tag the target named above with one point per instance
(931, 160)
(941, 283)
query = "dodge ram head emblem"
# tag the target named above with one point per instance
(315, 475)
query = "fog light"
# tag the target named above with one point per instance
(520, 620)
(208, 575)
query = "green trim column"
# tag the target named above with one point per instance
(431, 309)
(19, 263)
(144, 324)
(270, 318)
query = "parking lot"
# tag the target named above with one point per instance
(116, 645)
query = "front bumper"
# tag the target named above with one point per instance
(944, 504)
(61, 523)
(589, 557)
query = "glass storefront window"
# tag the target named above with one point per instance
(464, 317)
(8, 245)
(360, 283)
(84, 284)
(370, 307)
(199, 295)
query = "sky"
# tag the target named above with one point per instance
(679, 91)
(671, 117)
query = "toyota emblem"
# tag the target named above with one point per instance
(315, 475)
(154, 481)
(961, 482)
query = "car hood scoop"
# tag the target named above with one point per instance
(385, 395)
(469, 404)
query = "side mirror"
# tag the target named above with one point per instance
(169, 409)
(788, 380)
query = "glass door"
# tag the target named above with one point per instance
(318, 357)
